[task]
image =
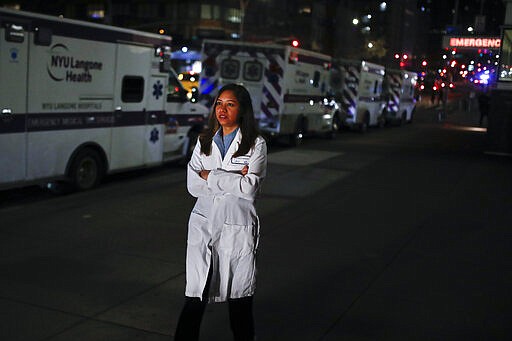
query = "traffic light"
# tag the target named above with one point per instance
(295, 43)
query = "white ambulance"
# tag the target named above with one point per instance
(357, 86)
(399, 93)
(287, 85)
(79, 100)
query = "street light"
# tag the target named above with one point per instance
(355, 21)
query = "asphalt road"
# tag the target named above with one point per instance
(399, 234)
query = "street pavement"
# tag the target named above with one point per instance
(402, 236)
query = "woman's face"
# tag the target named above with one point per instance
(227, 109)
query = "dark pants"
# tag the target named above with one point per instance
(240, 317)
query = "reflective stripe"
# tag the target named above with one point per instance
(17, 123)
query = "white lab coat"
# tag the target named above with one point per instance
(223, 226)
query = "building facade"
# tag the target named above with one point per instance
(357, 29)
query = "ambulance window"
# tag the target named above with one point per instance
(175, 91)
(253, 71)
(209, 71)
(43, 36)
(316, 79)
(230, 69)
(132, 89)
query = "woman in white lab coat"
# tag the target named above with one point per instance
(225, 173)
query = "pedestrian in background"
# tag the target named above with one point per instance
(225, 174)
(484, 101)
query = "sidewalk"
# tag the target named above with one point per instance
(461, 112)
(400, 234)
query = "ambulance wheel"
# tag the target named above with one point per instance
(363, 126)
(382, 121)
(86, 170)
(331, 134)
(412, 115)
(295, 139)
(337, 125)
(403, 119)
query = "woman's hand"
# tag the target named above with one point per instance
(245, 170)
(204, 174)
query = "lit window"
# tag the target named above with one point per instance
(206, 12)
(13, 6)
(95, 11)
(234, 15)
(305, 10)
(216, 12)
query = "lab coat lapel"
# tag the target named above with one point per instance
(232, 149)
(217, 155)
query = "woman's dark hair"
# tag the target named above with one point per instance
(246, 122)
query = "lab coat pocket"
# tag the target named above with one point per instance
(237, 240)
(197, 227)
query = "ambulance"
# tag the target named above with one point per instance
(357, 86)
(287, 85)
(80, 100)
(399, 94)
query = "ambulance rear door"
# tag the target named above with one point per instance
(14, 48)
(246, 70)
(130, 103)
